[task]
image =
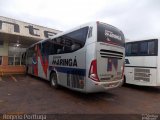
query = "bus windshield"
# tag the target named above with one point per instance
(110, 34)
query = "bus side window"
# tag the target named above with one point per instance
(151, 48)
(46, 48)
(75, 47)
(57, 46)
(66, 49)
(70, 42)
(144, 48)
(128, 49)
(67, 45)
(134, 49)
(78, 35)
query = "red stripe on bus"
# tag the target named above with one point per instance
(43, 63)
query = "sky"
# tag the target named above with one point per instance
(137, 19)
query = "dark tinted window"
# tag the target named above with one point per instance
(110, 34)
(70, 42)
(78, 35)
(63, 44)
(134, 48)
(58, 44)
(46, 47)
(128, 49)
(151, 48)
(142, 48)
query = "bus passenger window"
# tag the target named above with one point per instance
(59, 40)
(143, 48)
(66, 49)
(151, 48)
(78, 35)
(75, 47)
(59, 51)
(134, 49)
(68, 42)
(128, 49)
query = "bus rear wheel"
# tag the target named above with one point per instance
(124, 81)
(53, 80)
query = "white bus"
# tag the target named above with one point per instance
(142, 62)
(89, 58)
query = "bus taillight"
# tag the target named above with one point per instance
(93, 71)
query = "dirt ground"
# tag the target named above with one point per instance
(29, 95)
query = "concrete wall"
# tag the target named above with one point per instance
(12, 27)
(16, 27)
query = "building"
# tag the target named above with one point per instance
(15, 37)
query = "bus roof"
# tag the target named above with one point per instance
(142, 39)
(75, 28)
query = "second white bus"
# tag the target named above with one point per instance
(89, 58)
(142, 62)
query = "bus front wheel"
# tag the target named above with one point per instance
(53, 80)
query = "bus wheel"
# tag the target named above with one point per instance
(53, 80)
(124, 80)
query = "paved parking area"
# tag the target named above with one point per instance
(26, 94)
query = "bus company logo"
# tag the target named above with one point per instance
(127, 61)
(34, 61)
(112, 62)
(65, 62)
(112, 35)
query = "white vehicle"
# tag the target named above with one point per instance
(89, 58)
(142, 62)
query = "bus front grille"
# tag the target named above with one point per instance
(142, 74)
(111, 54)
(138, 70)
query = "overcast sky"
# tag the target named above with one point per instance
(136, 18)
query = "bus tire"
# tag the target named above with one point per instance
(124, 80)
(53, 80)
